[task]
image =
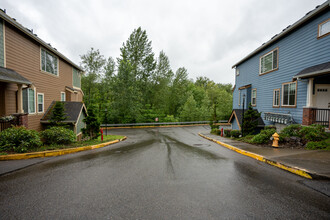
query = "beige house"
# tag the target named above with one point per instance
(33, 74)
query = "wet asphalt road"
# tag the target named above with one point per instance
(158, 173)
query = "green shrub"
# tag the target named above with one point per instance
(313, 133)
(235, 133)
(227, 132)
(320, 145)
(58, 135)
(291, 130)
(19, 139)
(215, 131)
(263, 137)
(270, 127)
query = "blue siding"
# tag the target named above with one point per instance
(234, 124)
(297, 51)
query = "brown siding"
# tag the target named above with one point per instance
(23, 56)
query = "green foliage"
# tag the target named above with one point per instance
(227, 132)
(235, 133)
(313, 133)
(92, 129)
(250, 121)
(19, 139)
(320, 145)
(307, 133)
(216, 131)
(143, 87)
(291, 130)
(58, 135)
(263, 137)
(58, 114)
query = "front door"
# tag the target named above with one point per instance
(322, 92)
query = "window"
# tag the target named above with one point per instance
(324, 28)
(76, 78)
(40, 102)
(239, 98)
(237, 72)
(29, 102)
(269, 62)
(49, 62)
(289, 94)
(254, 97)
(276, 98)
(62, 96)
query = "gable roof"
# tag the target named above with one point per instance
(238, 114)
(289, 29)
(29, 33)
(320, 69)
(71, 109)
(11, 76)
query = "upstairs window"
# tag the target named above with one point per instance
(254, 97)
(76, 78)
(269, 62)
(49, 62)
(289, 95)
(324, 28)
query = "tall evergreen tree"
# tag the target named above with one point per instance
(58, 114)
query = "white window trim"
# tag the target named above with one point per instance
(255, 104)
(273, 69)
(319, 29)
(64, 96)
(295, 102)
(57, 59)
(28, 100)
(43, 102)
(279, 97)
(239, 97)
(237, 71)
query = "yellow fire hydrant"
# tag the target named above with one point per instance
(275, 140)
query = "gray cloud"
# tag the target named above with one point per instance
(205, 36)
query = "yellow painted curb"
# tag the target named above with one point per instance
(53, 153)
(294, 170)
(161, 126)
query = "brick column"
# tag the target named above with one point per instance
(307, 116)
(22, 119)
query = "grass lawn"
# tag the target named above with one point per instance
(106, 138)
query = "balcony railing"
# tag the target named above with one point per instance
(7, 122)
(320, 116)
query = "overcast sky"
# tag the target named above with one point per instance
(205, 36)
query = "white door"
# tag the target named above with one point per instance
(322, 93)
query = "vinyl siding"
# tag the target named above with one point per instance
(80, 123)
(2, 51)
(297, 51)
(235, 124)
(23, 56)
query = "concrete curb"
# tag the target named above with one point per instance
(295, 170)
(53, 153)
(161, 126)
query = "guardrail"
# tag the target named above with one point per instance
(321, 116)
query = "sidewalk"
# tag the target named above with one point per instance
(315, 163)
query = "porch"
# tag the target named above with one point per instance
(317, 109)
(11, 98)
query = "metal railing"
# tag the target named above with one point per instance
(7, 124)
(320, 116)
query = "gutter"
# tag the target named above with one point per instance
(316, 73)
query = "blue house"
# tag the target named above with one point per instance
(287, 79)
